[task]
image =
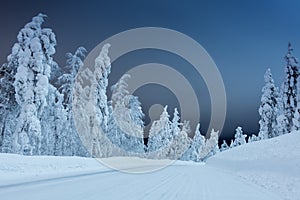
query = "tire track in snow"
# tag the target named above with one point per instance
(173, 182)
(60, 178)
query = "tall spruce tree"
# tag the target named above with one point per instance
(8, 105)
(290, 88)
(160, 134)
(72, 143)
(36, 47)
(90, 105)
(239, 137)
(126, 119)
(268, 108)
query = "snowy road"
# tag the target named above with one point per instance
(173, 182)
(262, 170)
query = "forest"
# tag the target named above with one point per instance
(47, 109)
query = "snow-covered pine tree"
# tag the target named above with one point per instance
(126, 119)
(36, 47)
(175, 123)
(180, 142)
(136, 112)
(290, 88)
(224, 146)
(186, 127)
(90, 106)
(7, 77)
(196, 147)
(85, 114)
(67, 80)
(72, 142)
(281, 119)
(54, 140)
(102, 70)
(119, 90)
(160, 135)
(171, 152)
(239, 137)
(296, 119)
(282, 124)
(8, 105)
(231, 143)
(198, 144)
(126, 107)
(137, 123)
(211, 146)
(253, 138)
(268, 108)
(117, 126)
(183, 140)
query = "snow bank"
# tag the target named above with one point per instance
(273, 164)
(17, 168)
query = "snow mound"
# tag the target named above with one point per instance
(17, 168)
(273, 164)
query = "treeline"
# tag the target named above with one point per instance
(46, 109)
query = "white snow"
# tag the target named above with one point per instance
(263, 170)
(18, 169)
(273, 164)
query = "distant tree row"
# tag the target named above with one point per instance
(49, 110)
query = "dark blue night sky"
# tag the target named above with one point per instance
(243, 37)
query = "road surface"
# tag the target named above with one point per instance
(174, 182)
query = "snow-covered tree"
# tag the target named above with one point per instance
(186, 127)
(239, 137)
(54, 137)
(268, 108)
(67, 80)
(224, 146)
(296, 119)
(160, 134)
(126, 119)
(231, 143)
(102, 70)
(282, 124)
(281, 119)
(36, 47)
(7, 77)
(253, 138)
(179, 141)
(211, 146)
(290, 88)
(119, 121)
(72, 144)
(136, 112)
(175, 123)
(8, 105)
(196, 147)
(90, 106)
(119, 90)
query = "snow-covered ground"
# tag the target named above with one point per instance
(263, 170)
(19, 169)
(273, 164)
